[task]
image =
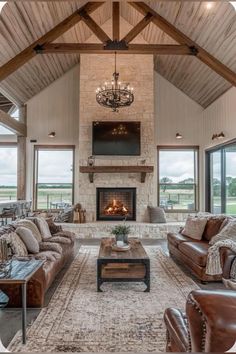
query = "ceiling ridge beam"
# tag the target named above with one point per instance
(116, 21)
(181, 38)
(98, 48)
(29, 52)
(137, 29)
(12, 124)
(93, 26)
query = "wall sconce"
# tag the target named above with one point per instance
(52, 135)
(218, 136)
(178, 136)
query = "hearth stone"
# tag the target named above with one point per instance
(97, 230)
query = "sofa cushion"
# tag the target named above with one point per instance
(196, 251)
(176, 239)
(28, 238)
(212, 227)
(156, 215)
(50, 246)
(194, 227)
(30, 225)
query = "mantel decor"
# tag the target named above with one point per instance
(115, 95)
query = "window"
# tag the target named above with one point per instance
(177, 178)
(221, 179)
(8, 171)
(54, 177)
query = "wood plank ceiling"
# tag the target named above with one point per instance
(215, 30)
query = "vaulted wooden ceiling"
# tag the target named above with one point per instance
(21, 23)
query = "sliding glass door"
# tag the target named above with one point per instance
(221, 180)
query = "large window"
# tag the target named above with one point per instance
(8, 171)
(177, 178)
(54, 167)
(221, 179)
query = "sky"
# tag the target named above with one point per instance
(54, 167)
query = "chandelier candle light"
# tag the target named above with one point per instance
(115, 95)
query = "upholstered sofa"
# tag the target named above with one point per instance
(207, 326)
(55, 251)
(193, 253)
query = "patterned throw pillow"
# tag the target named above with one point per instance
(157, 215)
(28, 238)
(16, 246)
(194, 227)
(43, 228)
(30, 225)
(53, 227)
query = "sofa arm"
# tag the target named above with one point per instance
(212, 320)
(176, 330)
(227, 258)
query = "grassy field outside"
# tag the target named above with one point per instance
(48, 198)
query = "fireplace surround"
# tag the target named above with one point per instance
(116, 204)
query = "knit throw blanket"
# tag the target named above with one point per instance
(213, 259)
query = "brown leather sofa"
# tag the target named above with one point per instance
(193, 253)
(209, 324)
(44, 277)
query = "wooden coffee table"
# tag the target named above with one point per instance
(128, 266)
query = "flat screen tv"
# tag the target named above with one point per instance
(116, 138)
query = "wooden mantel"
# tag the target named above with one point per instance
(143, 170)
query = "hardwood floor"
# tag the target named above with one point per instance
(10, 319)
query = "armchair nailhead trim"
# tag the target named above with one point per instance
(204, 327)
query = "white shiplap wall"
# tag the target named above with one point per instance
(175, 113)
(54, 109)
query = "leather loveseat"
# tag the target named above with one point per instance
(53, 263)
(209, 324)
(193, 253)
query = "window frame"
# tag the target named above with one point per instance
(208, 152)
(37, 148)
(195, 149)
(9, 144)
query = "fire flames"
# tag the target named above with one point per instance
(116, 208)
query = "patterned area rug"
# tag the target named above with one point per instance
(121, 319)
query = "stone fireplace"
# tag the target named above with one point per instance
(138, 70)
(116, 203)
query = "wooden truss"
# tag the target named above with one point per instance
(186, 46)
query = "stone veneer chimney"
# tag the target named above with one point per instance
(138, 71)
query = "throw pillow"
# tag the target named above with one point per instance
(30, 225)
(213, 226)
(28, 238)
(43, 228)
(16, 246)
(228, 232)
(194, 227)
(53, 227)
(66, 216)
(156, 215)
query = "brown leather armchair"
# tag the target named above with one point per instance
(209, 324)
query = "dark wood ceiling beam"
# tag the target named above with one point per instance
(181, 38)
(138, 28)
(94, 48)
(116, 21)
(12, 124)
(28, 53)
(94, 27)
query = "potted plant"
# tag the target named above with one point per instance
(121, 233)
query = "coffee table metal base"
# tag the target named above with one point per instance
(100, 279)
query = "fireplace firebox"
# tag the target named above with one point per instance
(116, 203)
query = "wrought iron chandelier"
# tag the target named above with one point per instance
(115, 94)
